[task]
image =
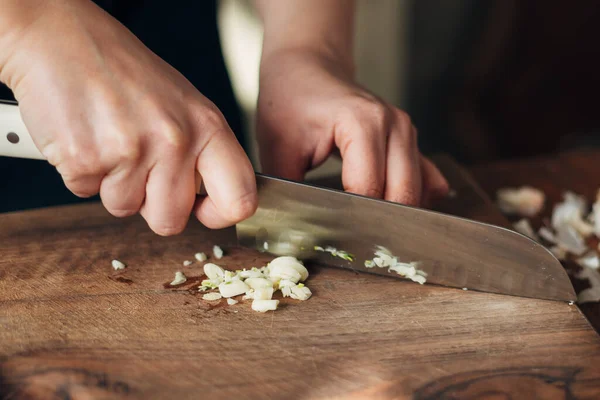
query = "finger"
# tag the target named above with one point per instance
(229, 181)
(435, 186)
(170, 196)
(403, 174)
(83, 186)
(283, 161)
(363, 161)
(123, 191)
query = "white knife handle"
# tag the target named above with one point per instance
(15, 140)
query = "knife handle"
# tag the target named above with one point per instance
(15, 140)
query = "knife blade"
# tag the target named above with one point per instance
(293, 218)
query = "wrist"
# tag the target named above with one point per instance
(16, 20)
(339, 63)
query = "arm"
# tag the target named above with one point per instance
(310, 107)
(324, 27)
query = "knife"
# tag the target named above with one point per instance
(302, 220)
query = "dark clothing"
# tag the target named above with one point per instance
(185, 35)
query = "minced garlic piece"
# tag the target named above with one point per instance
(212, 296)
(117, 265)
(217, 252)
(200, 257)
(179, 279)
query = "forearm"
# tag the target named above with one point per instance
(324, 27)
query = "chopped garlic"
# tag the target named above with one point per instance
(257, 283)
(117, 265)
(285, 283)
(253, 273)
(231, 302)
(217, 252)
(335, 252)
(286, 291)
(213, 271)
(233, 288)
(570, 240)
(524, 201)
(524, 227)
(570, 213)
(187, 263)
(212, 296)
(179, 279)
(595, 214)
(589, 260)
(263, 294)
(591, 294)
(200, 257)
(465, 288)
(265, 305)
(384, 259)
(287, 268)
(547, 235)
(300, 292)
(558, 252)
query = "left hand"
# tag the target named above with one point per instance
(309, 107)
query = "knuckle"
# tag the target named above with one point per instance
(371, 107)
(403, 117)
(130, 151)
(211, 118)
(173, 137)
(243, 208)
(371, 190)
(78, 160)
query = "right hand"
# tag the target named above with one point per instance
(115, 119)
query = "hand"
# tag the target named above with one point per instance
(309, 107)
(115, 119)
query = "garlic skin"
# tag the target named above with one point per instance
(232, 301)
(265, 305)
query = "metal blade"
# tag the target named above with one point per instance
(293, 217)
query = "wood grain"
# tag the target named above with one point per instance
(67, 330)
(575, 171)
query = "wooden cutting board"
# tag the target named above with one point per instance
(72, 328)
